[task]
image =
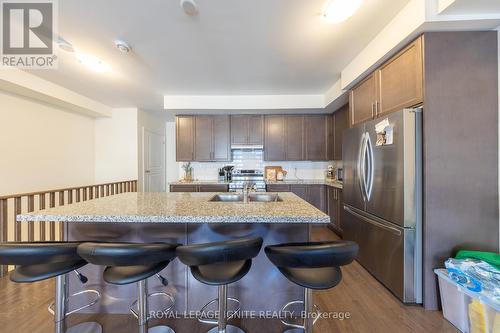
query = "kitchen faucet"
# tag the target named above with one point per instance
(247, 188)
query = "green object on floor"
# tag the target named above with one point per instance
(491, 258)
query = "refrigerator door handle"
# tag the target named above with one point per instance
(371, 221)
(361, 166)
(370, 162)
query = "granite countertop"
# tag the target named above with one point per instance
(333, 183)
(200, 182)
(181, 208)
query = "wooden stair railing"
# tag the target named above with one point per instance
(12, 205)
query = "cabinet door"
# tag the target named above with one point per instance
(294, 136)
(274, 141)
(332, 206)
(340, 209)
(183, 188)
(256, 130)
(362, 101)
(316, 136)
(184, 138)
(341, 122)
(300, 190)
(316, 196)
(401, 80)
(203, 138)
(330, 142)
(239, 130)
(213, 188)
(221, 140)
(277, 188)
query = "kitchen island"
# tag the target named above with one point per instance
(187, 218)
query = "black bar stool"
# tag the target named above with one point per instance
(129, 263)
(219, 264)
(312, 266)
(37, 261)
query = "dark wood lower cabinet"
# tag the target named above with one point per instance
(315, 194)
(199, 188)
(335, 209)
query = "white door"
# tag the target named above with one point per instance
(154, 161)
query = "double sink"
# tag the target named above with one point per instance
(252, 197)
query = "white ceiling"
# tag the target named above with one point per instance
(472, 7)
(233, 47)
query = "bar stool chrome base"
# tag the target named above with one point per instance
(88, 327)
(309, 308)
(229, 329)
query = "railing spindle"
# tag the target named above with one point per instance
(61, 225)
(41, 206)
(4, 215)
(31, 225)
(17, 228)
(52, 225)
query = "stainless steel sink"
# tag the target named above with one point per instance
(264, 197)
(253, 197)
(227, 197)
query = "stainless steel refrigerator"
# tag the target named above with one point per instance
(383, 199)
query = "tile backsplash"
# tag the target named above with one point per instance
(254, 159)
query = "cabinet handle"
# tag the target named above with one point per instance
(373, 110)
(376, 109)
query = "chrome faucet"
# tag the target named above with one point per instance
(247, 188)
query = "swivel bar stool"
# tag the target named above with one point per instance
(132, 262)
(37, 261)
(219, 264)
(312, 266)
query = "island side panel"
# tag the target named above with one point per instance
(117, 299)
(264, 288)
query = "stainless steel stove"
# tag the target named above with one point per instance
(250, 177)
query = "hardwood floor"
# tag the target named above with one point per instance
(371, 308)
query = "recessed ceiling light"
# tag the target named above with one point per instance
(122, 46)
(190, 7)
(337, 11)
(65, 45)
(93, 63)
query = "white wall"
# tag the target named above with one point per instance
(116, 148)
(43, 147)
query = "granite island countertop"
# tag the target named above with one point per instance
(180, 208)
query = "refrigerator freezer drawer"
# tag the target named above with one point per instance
(386, 251)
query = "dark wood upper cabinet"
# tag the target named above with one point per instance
(256, 130)
(221, 139)
(239, 130)
(203, 138)
(340, 123)
(247, 129)
(362, 100)
(396, 85)
(274, 138)
(316, 136)
(400, 80)
(185, 138)
(203, 147)
(294, 133)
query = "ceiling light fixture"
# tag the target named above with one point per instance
(122, 46)
(190, 7)
(93, 63)
(337, 11)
